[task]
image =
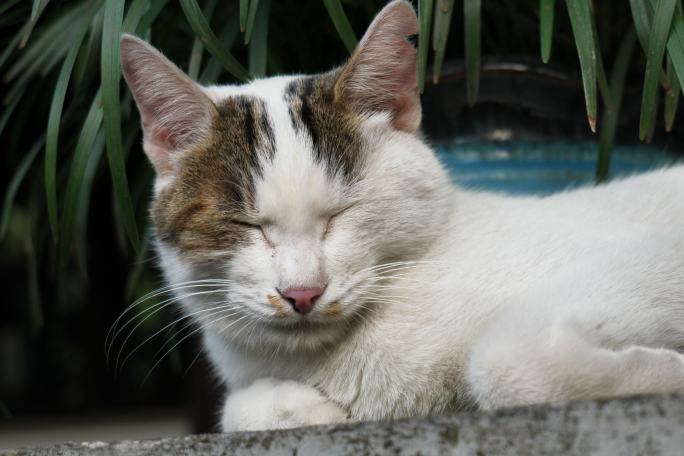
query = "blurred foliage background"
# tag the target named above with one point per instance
(74, 233)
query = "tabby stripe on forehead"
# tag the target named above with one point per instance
(244, 137)
(332, 128)
(250, 117)
(306, 116)
(247, 107)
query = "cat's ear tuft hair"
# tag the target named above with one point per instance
(174, 111)
(381, 75)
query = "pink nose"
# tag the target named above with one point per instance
(302, 299)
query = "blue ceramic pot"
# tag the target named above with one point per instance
(540, 167)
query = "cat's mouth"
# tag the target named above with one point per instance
(300, 325)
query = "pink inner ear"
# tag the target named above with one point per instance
(175, 112)
(158, 134)
(159, 146)
(382, 73)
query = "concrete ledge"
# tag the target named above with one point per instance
(640, 425)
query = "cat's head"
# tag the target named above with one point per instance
(290, 196)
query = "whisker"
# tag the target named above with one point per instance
(233, 324)
(381, 286)
(192, 363)
(162, 290)
(379, 278)
(225, 311)
(176, 321)
(389, 302)
(163, 303)
(158, 308)
(398, 263)
(179, 342)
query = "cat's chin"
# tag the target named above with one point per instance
(301, 335)
(302, 325)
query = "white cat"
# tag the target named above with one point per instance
(338, 274)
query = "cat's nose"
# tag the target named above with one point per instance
(302, 299)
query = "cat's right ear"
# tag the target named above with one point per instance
(174, 111)
(382, 75)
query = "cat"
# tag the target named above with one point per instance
(337, 274)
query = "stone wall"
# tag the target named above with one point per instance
(632, 426)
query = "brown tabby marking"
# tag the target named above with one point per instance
(334, 309)
(276, 302)
(214, 186)
(332, 126)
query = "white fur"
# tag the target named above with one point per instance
(486, 300)
(510, 300)
(279, 405)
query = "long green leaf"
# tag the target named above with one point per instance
(55, 39)
(258, 45)
(36, 10)
(148, 18)
(612, 115)
(642, 15)
(197, 46)
(135, 13)
(15, 182)
(228, 36)
(443, 11)
(111, 108)
(54, 120)
(601, 78)
(72, 197)
(200, 26)
(675, 49)
(90, 52)
(83, 205)
(341, 23)
(671, 96)
(40, 46)
(195, 58)
(425, 21)
(581, 21)
(244, 8)
(546, 10)
(472, 17)
(657, 40)
(675, 44)
(251, 17)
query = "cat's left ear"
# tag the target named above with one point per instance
(174, 111)
(381, 75)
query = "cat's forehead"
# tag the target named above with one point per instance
(286, 136)
(302, 116)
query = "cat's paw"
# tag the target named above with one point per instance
(278, 404)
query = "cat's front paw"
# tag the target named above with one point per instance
(278, 404)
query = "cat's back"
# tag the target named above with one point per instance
(511, 243)
(654, 198)
(633, 206)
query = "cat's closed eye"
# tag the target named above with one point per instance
(331, 219)
(251, 225)
(254, 226)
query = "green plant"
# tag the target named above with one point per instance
(64, 105)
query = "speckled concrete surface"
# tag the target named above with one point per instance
(633, 426)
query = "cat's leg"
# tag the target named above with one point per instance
(278, 404)
(554, 361)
